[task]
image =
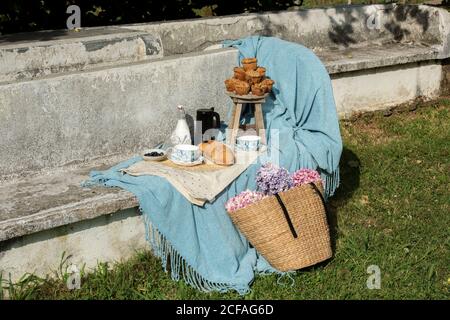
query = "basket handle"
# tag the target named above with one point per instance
(286, 215)
(320, 195)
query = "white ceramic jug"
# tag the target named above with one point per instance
(181, 135)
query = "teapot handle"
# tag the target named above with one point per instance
(216, 119)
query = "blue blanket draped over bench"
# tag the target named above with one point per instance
(205, 248)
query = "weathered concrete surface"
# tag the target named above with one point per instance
(109, 238)
(445, 84)
(444, 30)
(373, 56)
(53, 121)
(45, 201)
(376, 89)
(338, 27)
(340, 31)
(31, 55)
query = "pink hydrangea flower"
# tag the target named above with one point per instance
(243, 199)
(305, 176)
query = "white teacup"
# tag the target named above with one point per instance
(185, 153)
(248, 143)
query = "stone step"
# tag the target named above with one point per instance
(47, 200)
(32, 55)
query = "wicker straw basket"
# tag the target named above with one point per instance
(289, 229)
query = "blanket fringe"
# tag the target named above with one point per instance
(331, 180)
(179, 267)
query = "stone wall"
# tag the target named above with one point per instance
(77, 117)
(116, 237)
(368, 90)
(100, 105)
(336, 27)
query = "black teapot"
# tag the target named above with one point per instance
(208, 118)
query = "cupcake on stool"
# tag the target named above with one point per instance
(241, 87)
(229, 84)
(239, 73)
(269, 83)
(249, 77)
(253, 76)
(261, 71)
(259, 89)
(249, 64)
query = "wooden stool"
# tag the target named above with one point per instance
(234, 126)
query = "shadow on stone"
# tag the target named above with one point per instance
(401, 14)
(340, 33)
(33, 36)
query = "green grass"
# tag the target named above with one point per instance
(392, 210)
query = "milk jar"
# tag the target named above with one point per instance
(181, 135)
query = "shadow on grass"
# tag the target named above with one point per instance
(350, 175)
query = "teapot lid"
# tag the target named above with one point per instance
(206, 109)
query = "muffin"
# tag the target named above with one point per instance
(253, 76)
(269, 83)
(241, 87)
(239, 73)
(249, 64)
(261, 71)
(259, 89)
(248, 79)
(229, 84)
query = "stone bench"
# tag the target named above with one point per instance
(45, 201)
(59, 120)
(32, 55)
(335, 28)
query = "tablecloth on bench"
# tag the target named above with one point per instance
(197, 184)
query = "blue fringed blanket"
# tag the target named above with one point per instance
(205, 248)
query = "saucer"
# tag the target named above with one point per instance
(187, 164)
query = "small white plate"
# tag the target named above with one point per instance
(187, 164)
(157, 158)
